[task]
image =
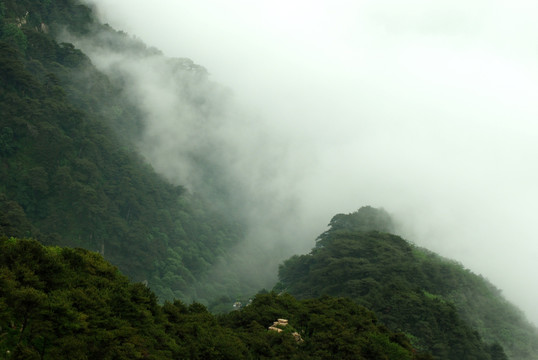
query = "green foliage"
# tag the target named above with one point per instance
(62, 303)
(437, 302)
(13, 221)
(329, 328)
(480, 304)
(366, 218)
(12, 34)
(67, 178)
(65, 303)
(2, 10)
(30, 14)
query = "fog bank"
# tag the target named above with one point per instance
(426, 109)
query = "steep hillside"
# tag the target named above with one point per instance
(436, 302)
(69, 173)
(62, 303)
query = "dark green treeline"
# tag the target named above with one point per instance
(63, 303)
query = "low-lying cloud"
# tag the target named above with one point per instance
(427, 109)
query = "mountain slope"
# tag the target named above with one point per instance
(62, 303)
(69, 177)
(438, 303)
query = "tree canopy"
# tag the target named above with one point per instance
(63, 303)
(69, 171)
(442, 307)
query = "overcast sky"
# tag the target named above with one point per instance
(426, 108)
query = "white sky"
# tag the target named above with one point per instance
(426, 108)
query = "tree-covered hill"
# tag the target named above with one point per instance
(441, 306)
(71, 176)
(63, 303)
(69, 172)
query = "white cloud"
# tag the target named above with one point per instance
(425, 108)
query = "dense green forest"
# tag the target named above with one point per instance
(69, 172)
(63, 303)
(72, 177)
(441, 306)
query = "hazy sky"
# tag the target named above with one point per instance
(426, 108)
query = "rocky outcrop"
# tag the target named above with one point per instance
(279, 326)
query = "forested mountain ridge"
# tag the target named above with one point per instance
(441, 306)
(71, 175)
(70, 178)
(63, 303)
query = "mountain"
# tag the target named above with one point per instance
(70, 170)
(75, 174)
(444, 308)
(63, 303)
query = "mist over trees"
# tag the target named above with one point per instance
(71, 176)
(90, 121)
(444, 308)
(425, 108)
